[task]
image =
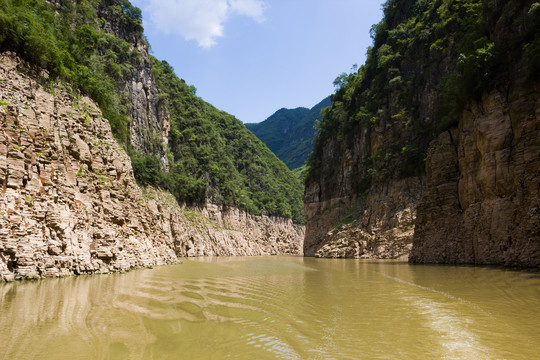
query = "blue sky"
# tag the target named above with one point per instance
(253, 57)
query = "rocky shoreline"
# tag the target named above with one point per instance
(69, 203)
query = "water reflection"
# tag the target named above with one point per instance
(276, 307)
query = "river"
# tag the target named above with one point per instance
(276, 308)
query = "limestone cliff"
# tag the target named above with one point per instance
(482, 203)
(377, 225)
(433, 143)
(213, 230)
(149, 122)
(69, 203)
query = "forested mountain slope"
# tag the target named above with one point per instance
(78, 94)
(439, 122)
(289, 133)
(97, 47)
(216, 159)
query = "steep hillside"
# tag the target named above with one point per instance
(69, 203)
(217, 160)
(73, 74)
(98, 48)
(452, 71)
(289, 133)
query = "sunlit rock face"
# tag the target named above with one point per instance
(69, 203)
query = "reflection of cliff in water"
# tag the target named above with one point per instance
(275, 307)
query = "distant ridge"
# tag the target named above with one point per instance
(289, 132)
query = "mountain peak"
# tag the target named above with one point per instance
(289, 132)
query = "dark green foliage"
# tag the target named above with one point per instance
(450, 50)
(68, 40)
(147, 169)
(300, 173)
(217, 159)
(289, 133)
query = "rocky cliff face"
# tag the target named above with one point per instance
(465, 99)
(345, 222)
(69, 203)
(482, 204)
(149, 122)
(213, 230)
(379, 225)
(479, 202)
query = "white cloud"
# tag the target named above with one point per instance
(200, 20)
(251, 8)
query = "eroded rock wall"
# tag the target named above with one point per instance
(68, 200)
(482, 203)
(69, 203)
(379, 224)
(213, 230)
(345, 220)
(149, 121)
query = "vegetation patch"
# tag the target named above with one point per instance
(216, 159)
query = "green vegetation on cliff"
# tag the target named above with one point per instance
(428, 59)
(289, 133)
(213, 157)
(70, 42)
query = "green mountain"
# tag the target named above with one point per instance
(289, 132)
(97, 48)
(216, 159)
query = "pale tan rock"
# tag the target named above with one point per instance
(69, 203)
(382, 227)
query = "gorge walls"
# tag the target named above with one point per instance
(69, 203)
(377, 225)
(149, 121)
(431, 148)
(482, 204)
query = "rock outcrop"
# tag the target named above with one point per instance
(213, 230)
(68, 199)
(377, 225)
(482, 203)
(464, 99)
(149, 122)
(69, 203)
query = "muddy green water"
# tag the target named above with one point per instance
(276, 308)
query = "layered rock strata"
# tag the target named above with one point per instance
(68, 199)
(69, 203)
(482, 202)
(377, 225)
(213, 230)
